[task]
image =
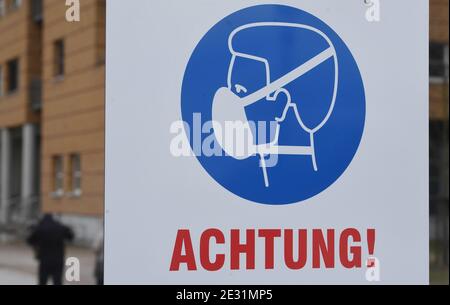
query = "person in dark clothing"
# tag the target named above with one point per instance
(48, 240)
(99, 259)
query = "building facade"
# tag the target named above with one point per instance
(52, 113)
(20, 109)
(72, 160)
(439, 137)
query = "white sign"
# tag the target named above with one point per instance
(266, 142)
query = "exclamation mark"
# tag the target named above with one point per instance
(371, 247)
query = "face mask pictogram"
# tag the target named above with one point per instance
(239, 142)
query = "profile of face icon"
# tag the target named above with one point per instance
(247, 75)
(249, 82)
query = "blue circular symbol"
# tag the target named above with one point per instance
(274, 104)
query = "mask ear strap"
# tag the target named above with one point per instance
(276, 93)
(286, 108)
(230, 71)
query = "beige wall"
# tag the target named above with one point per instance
(73, 111)
(439, 33)
(439, 20)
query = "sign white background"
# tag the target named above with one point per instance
(150, 194)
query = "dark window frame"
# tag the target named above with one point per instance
(75, 174)
(2, 81)
(59, 58)
(58, 174)
(438, 69)
(12, 76)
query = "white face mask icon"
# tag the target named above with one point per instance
(231, 126)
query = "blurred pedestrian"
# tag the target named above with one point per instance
(48, 240)
(99, 258)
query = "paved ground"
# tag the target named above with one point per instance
(439, 276)
(11, 277)
(18, 266)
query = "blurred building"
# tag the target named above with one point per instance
(52, 114)
(439, 137)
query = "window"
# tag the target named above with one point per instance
(58, 176)
(438, 163)
(15, 4)
(9, 5)
(36, 10)
(13, 76)
(1, 81)
(59, 58)
(101, 12)
(2, 8)
(438, 61)
(75, 174)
